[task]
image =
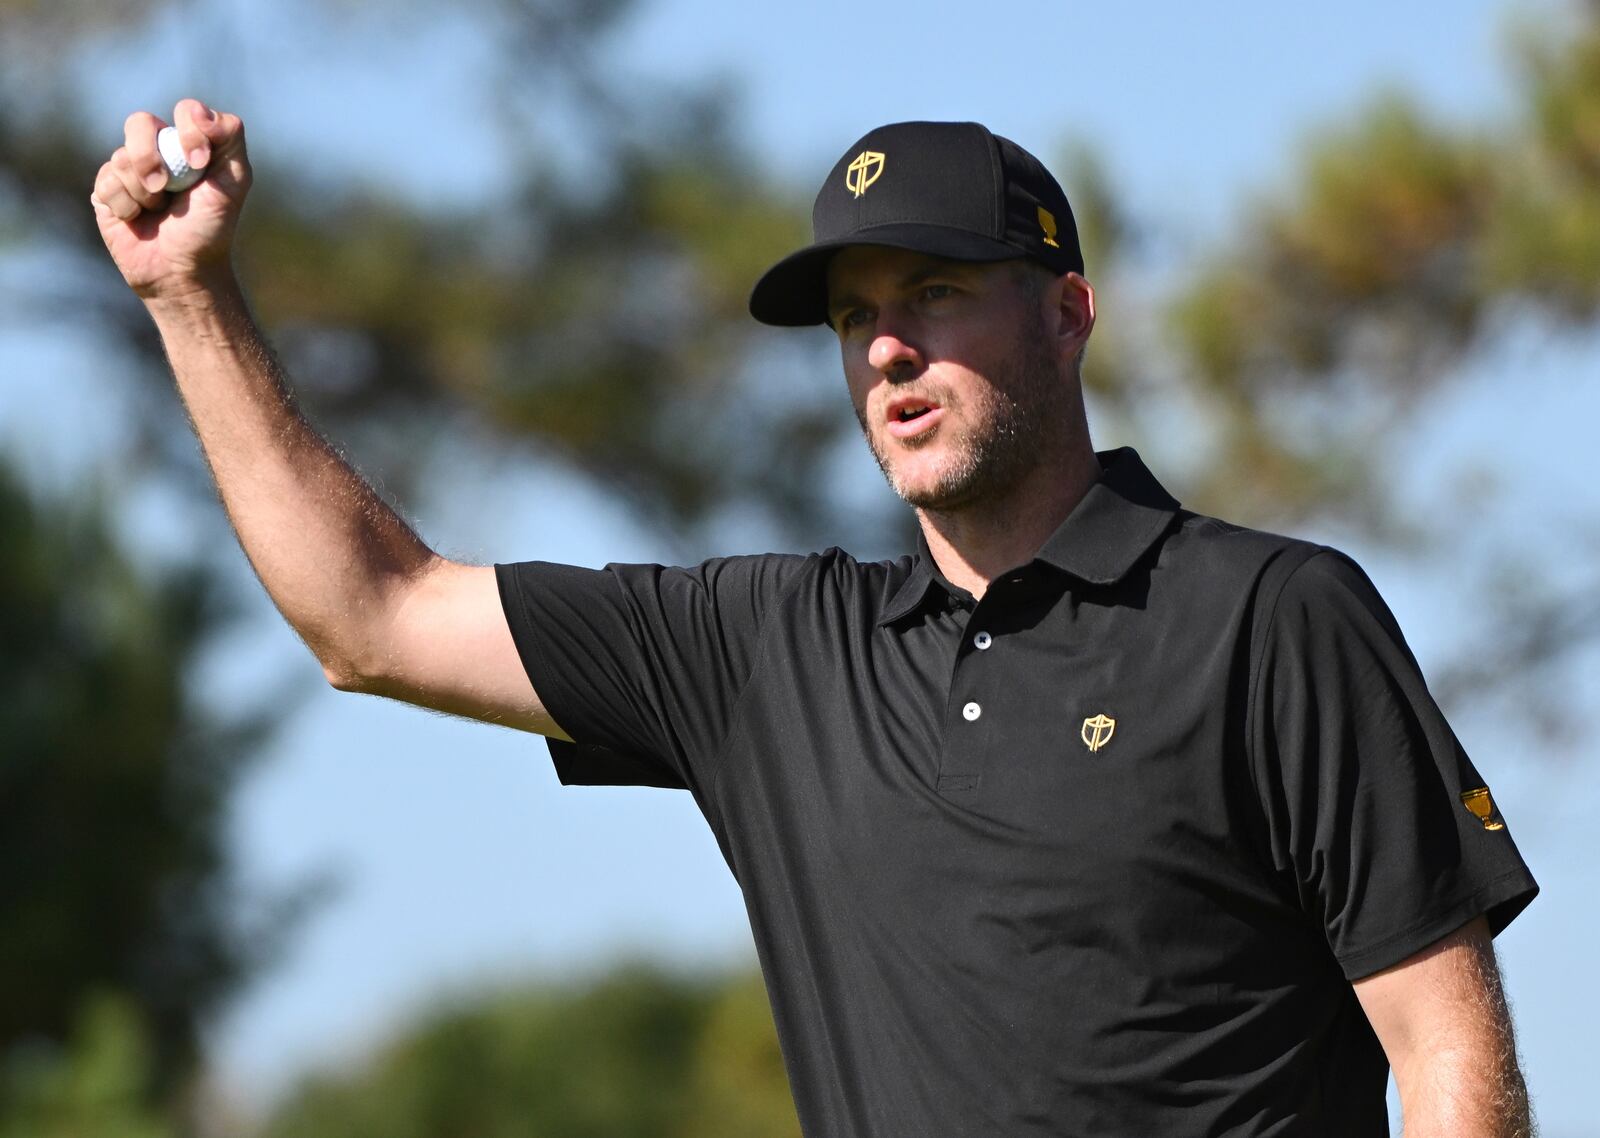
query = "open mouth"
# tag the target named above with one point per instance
(911, 416)
(906, 408)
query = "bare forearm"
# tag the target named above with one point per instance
(325, 546)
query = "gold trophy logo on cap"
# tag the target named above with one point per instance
(1047, 222)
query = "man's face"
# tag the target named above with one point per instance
(955, 380)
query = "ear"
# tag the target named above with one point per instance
(1074, 304)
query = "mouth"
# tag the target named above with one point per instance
(908, 417)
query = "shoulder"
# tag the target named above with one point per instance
(834, 576)
(1229, 544)
(845, 570)
(1281, 584)
(767, 583)
(1220, 556)
(831, 568)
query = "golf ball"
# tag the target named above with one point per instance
(180, 175)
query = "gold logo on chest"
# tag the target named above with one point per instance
(1097, 731)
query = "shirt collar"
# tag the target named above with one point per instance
(1106, 533)
(1120, 518)
(909, 596)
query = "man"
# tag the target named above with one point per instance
(1095, 817)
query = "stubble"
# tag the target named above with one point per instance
(1010, 427)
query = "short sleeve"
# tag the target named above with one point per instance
(1388, 832)
(641, 664)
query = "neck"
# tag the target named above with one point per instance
(976, 543)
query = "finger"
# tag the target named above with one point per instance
(195, 121)
(113, 196)
(144, 159)
(205, 128)
(135, 184)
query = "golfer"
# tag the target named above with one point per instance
(1092, 816)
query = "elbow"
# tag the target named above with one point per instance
(340, 677)
(355, 673)
(345, 672)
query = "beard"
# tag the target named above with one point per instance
(1009, 429)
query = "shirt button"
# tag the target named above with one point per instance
(971, 711)
(982, 640)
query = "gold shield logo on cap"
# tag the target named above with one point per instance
(1097, 731)
(1482, 808)
(864, 169)
(1047, 222)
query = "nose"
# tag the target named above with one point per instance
(893, 351)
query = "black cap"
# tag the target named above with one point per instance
(944, 188)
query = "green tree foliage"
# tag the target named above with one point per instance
(594, 308)
(114, 786)
(638, 1054)
(1345, 305)
(1385, 264)
(738, 1087)
(96, 1088)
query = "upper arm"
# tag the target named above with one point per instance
(1442, 1018)
(1450, 987)
(444, 643)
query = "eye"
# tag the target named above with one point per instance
(937, 291)
(852, 318)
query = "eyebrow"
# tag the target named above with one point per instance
(910, 280)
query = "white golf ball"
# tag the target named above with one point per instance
(180, 175)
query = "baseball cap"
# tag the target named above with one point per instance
(949, 189)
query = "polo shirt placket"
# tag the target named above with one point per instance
(968, 734)
(974, 735)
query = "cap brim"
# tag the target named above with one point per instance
(794, 292)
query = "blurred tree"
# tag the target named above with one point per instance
(594, 306)
(114, 786)
(625, 1057)
(98, 1087)
(738, 1087)
(1348, 305)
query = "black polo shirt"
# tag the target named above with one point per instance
(1096, 855)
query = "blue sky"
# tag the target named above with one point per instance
(460, 857)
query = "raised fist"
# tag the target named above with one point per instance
(169, 243)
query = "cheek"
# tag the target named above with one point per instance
(859, 382)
